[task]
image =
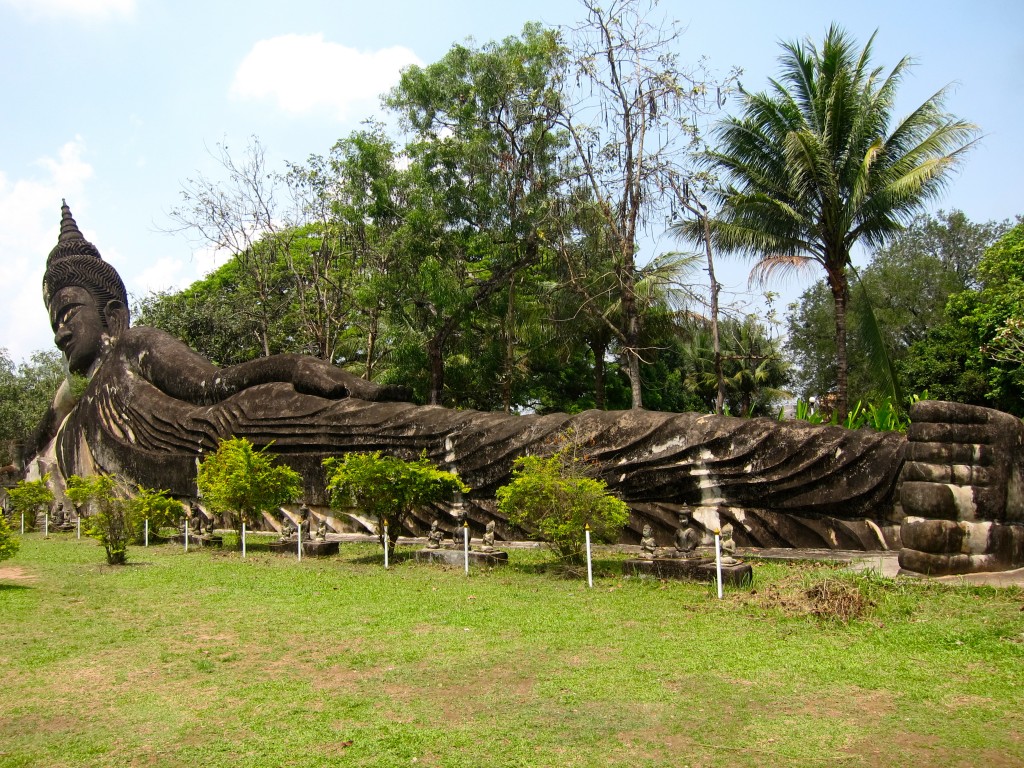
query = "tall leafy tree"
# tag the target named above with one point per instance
(907, 284)
(26, 391)
(818, 163)
(483, 159)
(971, 356)
(630, 116)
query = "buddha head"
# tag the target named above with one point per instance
(84, 296)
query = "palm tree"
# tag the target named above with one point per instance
(816, 164)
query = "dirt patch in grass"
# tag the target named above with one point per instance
(16, 573)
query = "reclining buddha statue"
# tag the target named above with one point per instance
(153, 406)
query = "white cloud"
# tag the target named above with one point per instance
(301, 73)
(29, 222)
(90, 9)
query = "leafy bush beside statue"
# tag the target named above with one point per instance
(556, 498)
(387, 487)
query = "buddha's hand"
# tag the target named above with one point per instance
(313, 376)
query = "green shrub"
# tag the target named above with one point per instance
(8, 541)
(387, 487)
(117, 517)
(31, 498)
(555, 499)
(243, 482)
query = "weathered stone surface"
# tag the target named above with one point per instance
(962, 490)
(153, 407)
(690, 569)
(216, 541)
(457, 558)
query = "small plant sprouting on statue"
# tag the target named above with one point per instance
(557, 496)
(387, 487)
(243, 482)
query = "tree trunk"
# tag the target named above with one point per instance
(632, 338)
(435, 355)
(715, 342)
(598, 349)
(841, 295)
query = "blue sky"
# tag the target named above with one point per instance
(113, 104)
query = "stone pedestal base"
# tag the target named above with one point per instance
(316, 548)
(311, 548)
(457, 557)
(950, 547)
(216, 540)
(690, 568)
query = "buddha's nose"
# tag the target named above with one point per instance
(61, 338)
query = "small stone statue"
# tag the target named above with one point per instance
(195, 523)
(434, 536)
(687, 537)
(288, 529)
(58, 514)
(487, 545)
(321, 530)
(647, 545)
(457, 534)
(728, 546)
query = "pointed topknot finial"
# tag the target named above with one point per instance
(68, 226)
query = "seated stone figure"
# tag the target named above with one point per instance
(648, 547)
(153, 406)
(435, 535)
(487, 543)
(687, 538)
(728, 546)
(321, 530)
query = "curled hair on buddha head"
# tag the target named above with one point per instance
(74, 261)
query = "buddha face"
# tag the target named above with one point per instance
(78, 328)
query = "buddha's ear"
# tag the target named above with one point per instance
(116, 314)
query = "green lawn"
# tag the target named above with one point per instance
(205, 659)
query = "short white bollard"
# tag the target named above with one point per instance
(78, 526)
(22, 523)
(46, 524)
(385, 544)
(145, 541)
(465, 541)
(718, 562)
(590, 567)
(243, 541)
(186, 534)
(300, 542)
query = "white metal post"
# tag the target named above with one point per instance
(186, 534)
(718, 562)
(300, 542)
(243, 540)
(465, 542)
(78, 525)
(385, 544)
(22, 523)
(46, 524)
(146, 540)
(590, 568)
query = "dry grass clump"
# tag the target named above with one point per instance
(830, 599)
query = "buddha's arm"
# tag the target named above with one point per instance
(63, 402)
(186, 375)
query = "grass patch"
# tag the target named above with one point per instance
(207, 659)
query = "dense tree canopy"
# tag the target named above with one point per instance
(819, 163)
(907, 284)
